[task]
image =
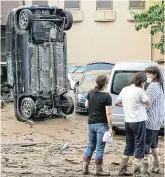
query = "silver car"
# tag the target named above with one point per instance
(120, 77)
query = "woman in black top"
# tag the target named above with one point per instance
(99, 105)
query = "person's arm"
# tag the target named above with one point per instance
(119, 100)
(119, 104)
(87, 103)
(144, 98)
(108, 106)
(109, 117)
(151, 93)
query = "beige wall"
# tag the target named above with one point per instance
(111, 41)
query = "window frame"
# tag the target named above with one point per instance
(137, 8)
(97, 8)
(67, 8)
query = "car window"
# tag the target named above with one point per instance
(99, 66)
(80, 69)
(71, 68)
(89, 79)
(121, 80)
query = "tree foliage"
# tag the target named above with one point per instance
(153, 18)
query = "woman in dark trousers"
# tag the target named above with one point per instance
(133, 99)
(155, 115)
(99, 104)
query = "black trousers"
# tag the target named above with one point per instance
(151, 140)
(135, 139)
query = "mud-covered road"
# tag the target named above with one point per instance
(52, 148)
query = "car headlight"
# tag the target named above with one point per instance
(80, 97)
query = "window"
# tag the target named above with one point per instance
(81, 69)
(40, 2)
(121, 80)
(89, 78)
(101, 5)
(99, 66)
(75, 4)
(137, 4)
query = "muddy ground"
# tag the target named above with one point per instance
(53, 148)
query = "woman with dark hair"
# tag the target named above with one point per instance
(155, 116)
(133, 99)
(99, 104)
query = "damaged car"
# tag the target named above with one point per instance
(37, 61)
(88, 81)
(6, 89)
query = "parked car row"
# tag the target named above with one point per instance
(120, 75)
(92, 70)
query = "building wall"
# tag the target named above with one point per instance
(93, 39)
(107, 41)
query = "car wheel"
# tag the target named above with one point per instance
(25, 19)
(68, 19)
(68, 105)
(25, 110)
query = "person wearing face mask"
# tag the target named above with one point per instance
(99, 105)
(155, 114)
(133, 100)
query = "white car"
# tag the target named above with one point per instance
(120, 77)
(72, 81)
(75, 76)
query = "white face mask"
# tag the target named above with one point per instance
(149, 80)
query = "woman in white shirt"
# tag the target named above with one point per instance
(133, 99)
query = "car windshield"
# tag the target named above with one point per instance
(99, 66)
(121, 79)
(89, 79)
(72, 68)
(80, 69)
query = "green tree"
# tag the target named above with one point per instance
(153, 18)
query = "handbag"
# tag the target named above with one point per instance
(107, 138)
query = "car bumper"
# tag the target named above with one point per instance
(119, 123)
(80, 107)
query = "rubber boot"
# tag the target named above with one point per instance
(146, 165)
(156, 161)
(99, 169)
(123, 165)
(86, 162)
(137, 166)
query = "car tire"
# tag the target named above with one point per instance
(25, 19)
(68, 19)
(25, 110)
(68, 107)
